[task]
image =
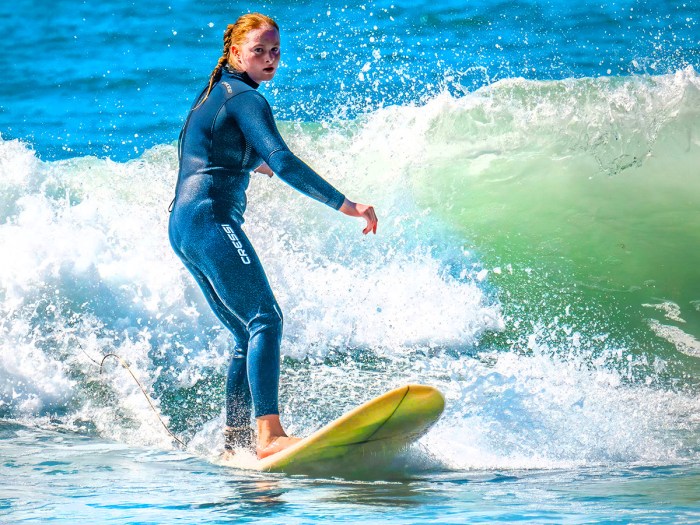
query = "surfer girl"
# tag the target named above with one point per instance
(229, 133)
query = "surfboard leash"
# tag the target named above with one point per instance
(143, 390)
(145, 394)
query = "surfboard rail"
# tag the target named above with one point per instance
(382, 426)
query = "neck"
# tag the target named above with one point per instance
(242, 75)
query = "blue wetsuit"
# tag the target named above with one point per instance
(225, 138)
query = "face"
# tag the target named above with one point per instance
(259, 55)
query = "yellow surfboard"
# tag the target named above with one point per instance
(375, 431)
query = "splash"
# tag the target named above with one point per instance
(458, 289)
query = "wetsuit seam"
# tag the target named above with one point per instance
(278, 150)
(211, 130)
(227, 98)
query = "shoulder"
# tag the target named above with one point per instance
(246, 99)
(233, 87)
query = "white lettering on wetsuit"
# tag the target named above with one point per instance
(236, 243)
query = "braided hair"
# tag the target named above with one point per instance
(236, 34)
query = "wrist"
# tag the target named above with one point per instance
(348, 207)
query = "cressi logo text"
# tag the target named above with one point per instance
(236, 243)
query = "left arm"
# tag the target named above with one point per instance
(254, 117)
(355, 209)
(349, 208)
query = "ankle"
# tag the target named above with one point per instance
(238, 437)
(269, 428)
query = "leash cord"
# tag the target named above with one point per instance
(143, 390)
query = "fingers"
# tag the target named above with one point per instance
(361, 210)
(371, 218)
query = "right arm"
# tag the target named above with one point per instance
(264, 169)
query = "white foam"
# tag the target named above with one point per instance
(86, 260)
(88, 244)
(684, 342)
(536, 411)
(30, 380)
(671, 310)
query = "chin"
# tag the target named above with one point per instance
(263, 76)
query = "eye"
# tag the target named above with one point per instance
(258, 50)
(275, 50)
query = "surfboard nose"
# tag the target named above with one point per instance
(379, 428)
(428, 395)
(420, 408)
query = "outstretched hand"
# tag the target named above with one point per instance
(353, 209)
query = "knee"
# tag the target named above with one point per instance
(269, 320)
(240, 351)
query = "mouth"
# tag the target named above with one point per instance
(268, 69)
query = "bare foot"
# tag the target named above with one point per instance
(271, 436)
(276, 444)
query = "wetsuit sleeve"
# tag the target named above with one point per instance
(254, 117)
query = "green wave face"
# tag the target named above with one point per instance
(585, 194)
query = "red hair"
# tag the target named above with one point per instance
(235, 35)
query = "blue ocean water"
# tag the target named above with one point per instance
(113, 79)
(536, 170)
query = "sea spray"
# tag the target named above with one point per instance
(523, 339)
